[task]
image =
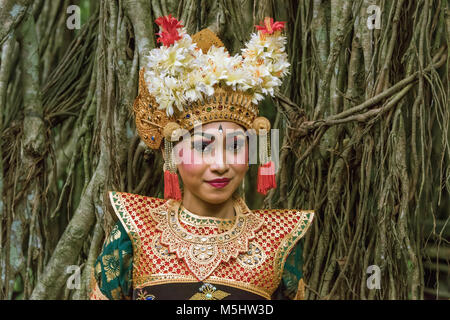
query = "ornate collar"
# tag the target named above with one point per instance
(188, 218)
(204, 253)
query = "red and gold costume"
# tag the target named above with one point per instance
(179, 255)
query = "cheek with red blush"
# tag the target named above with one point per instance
(183, 154)
(186, 162)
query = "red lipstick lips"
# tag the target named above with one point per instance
(219, 183)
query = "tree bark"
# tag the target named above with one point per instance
(363, 117)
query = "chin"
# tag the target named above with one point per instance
(217, 197)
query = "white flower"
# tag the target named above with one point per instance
(182, 73)
(257, 97)
(240, 78)
(218, 62)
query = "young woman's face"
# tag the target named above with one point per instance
(213, 161)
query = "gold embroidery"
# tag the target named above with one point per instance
(259, 290)
(98, 268)
(129, 225)
(288, 242)
(116, 293)
(279, 232)
(127, 258)
(209, 292)
(192, 219)
(203, 253)
(114, 235)
(96, 294)
(253, 258)
(157, 279)
(143, 296)
(111, 265)
(160, 250)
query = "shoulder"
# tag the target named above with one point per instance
(132, 206)
(132, 201)
(282, 229)
(291, 222)
(134, 211)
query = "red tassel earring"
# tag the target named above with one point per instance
(266, 171)
(171, 183)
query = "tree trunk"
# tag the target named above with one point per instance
(364, 131)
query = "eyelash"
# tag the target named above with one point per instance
(237, 146)
(203, 146)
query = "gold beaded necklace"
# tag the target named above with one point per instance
(189, 218)
(203, 253)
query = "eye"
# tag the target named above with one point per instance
(202, 146)
(236, 145)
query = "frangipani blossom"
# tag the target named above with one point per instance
(179, 72)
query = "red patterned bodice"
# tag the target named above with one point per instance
(249, 256)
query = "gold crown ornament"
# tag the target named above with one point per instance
(191, 81)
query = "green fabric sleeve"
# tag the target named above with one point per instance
(114, 266)
(292, 272)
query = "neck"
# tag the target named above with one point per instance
(224, 210)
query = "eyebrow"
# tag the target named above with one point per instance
(205, 134)
(236, 133)
(210, 135)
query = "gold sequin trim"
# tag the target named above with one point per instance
(290, 241)
(204, 253)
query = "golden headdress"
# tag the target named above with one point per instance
(192, 81)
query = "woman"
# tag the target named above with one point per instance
(203, 242)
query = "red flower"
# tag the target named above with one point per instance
(270, 27)
(169, 33)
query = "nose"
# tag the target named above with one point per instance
(219, 163)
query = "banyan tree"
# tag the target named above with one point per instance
(363, 121)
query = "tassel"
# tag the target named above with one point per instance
(171, 183)
(267, 180)
(176, 187)
(266, 171)
(171, 186)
